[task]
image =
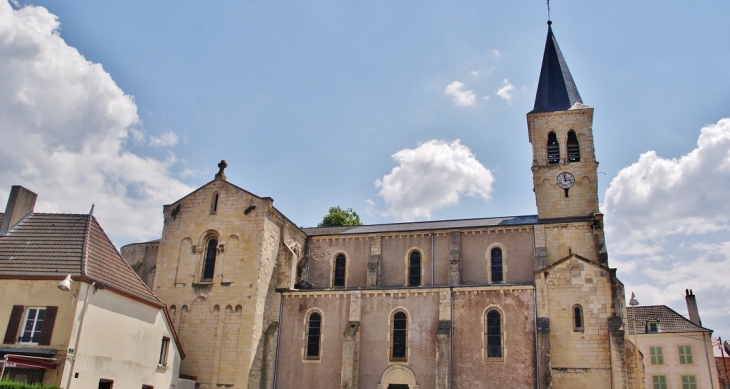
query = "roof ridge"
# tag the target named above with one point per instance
(85, 247)
(427, 221)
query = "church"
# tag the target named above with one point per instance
(504, 302)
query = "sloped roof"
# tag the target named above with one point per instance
(54, 245)
(420, 226)
(556, 90)
(669, 320)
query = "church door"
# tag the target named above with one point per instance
(397, 386)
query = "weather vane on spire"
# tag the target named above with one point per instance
(548, 5)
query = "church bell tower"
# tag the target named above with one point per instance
(564, 166)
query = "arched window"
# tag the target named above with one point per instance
(340, 271)
(414, 268)
(493, 334)
(314, 336)
(496, 265)
(211, 250)
(573, 147)
(399, 335)
(577, 318)
(553, 149)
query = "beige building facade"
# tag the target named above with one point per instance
(518, 302)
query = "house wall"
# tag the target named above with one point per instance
(40, 293)
(121, 340)
(702, 366)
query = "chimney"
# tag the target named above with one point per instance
(694, 314)
(20, 204)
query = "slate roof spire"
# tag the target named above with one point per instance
(556, 90)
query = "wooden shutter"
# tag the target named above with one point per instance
(11, 332)
(48, 322)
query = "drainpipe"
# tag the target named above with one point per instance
(78, 336)
(278, 336)
(451, 369)
(709, 369)
(537, 356)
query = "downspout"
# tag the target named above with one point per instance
(278, 336)
(709, 368)
(78, 336)
(433, 259)
(451, 356)
(537, 349)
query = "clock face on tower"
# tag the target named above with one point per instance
(565, 180)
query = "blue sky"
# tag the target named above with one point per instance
(401, 110)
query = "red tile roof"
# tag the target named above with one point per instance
(669, 320)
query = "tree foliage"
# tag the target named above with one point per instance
(338, 217)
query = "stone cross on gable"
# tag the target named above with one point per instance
(221, 166)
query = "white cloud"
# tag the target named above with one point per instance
(496, 53)
(166, 139)
(668, 221)
(506, 91)
(465, 98)
(432, 176)
(63, 125)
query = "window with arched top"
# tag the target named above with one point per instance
(573, 147)
(399, 337)
(493, 334)
(495, 264)
(553, 149)
(339, 271)
(211, 251)
(578, 319)
(313, 336)
(414, 268)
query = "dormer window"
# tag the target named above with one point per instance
(573, 147)
(652, 326)
(553, 149)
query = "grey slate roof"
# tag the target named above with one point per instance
(420, 226)
(669, 320)
(556, 90)
(54, 245)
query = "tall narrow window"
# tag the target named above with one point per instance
(659, 381)
(314, 335)
(496, 265)
(33, 325)
(214, 204)
(577, 318)
(553, 149)
(211, 251)
(414, 268)
(399, 336)
(685, 355)
(573, 147)
(163, 351)
(340, 270)
(494, 334)
(657, 355)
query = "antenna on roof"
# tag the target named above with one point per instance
(548, 5)
(91, 211)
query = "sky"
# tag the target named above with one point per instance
(401, 110)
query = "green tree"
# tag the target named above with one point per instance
(338, 217)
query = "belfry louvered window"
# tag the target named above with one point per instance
(211, 251)
(573, 147)
(340, 271)
(314, 335)
(553, 149)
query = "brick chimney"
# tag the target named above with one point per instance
(20, 204)
(694, 313)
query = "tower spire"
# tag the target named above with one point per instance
(556, 90)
